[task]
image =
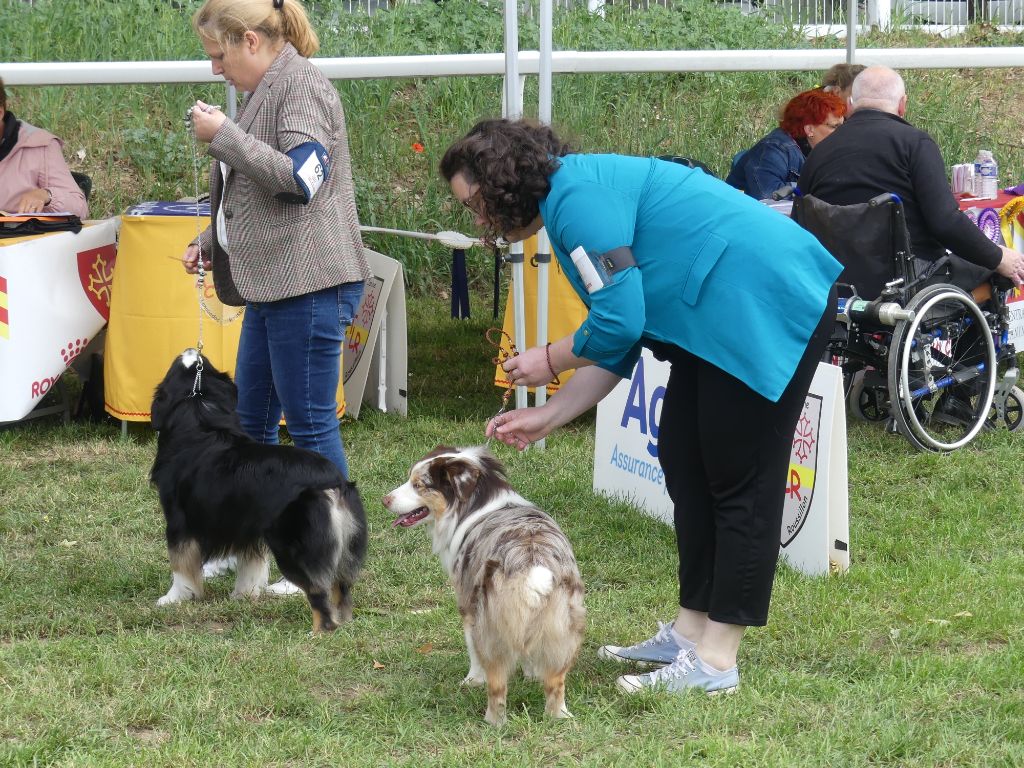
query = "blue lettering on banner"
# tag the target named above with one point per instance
(637, 408)
(642, 468)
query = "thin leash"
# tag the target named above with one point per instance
(503, 355)
(201, 274)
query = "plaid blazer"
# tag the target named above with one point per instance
(276, 249)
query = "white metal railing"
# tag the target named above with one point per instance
(562, 62)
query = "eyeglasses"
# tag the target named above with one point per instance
(475, 203)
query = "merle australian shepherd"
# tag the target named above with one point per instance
(223, 493)
(518, 588)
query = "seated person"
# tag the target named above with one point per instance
(839, 79)
(775, 161)
(877, 151)
(33, 175)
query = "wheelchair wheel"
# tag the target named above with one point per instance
(1013, 413)
(868, 398)
(942, 370)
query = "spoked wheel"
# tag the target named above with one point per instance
(942, 370)
(1013, 412)
(868, 398)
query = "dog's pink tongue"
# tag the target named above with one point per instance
(410, 518)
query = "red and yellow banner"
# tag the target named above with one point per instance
(54, 299)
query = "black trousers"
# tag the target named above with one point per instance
(725, 452)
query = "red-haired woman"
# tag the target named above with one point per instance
(775, 161)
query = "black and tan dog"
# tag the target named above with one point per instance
(225, 494)
(518, 588)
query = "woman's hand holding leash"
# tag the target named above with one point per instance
(529, 368)
(206, 121)
(191, 260)
(521, 427)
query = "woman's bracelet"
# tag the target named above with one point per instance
(547, 354)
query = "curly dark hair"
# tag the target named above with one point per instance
(511, 161)
(3, 96)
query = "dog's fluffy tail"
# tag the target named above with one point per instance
(537, 586)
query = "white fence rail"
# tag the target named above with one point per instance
(563, 62)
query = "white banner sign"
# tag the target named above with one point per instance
(815, 528)
(54, 298)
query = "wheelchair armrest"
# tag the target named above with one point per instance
(885, 197)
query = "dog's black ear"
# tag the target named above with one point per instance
(223, 382)
(156, 410)
(456, 478)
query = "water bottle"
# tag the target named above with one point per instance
(986, 175)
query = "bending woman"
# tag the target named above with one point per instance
(743, 313)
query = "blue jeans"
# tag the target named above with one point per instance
(289, 359)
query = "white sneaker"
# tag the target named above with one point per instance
(687, 672)
(659, 650)
(218, 566)
(282, 588)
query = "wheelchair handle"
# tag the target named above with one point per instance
(877, 312)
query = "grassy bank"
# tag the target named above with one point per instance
(135, 147)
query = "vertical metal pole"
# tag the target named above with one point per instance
(543, 245)
(231, 101)
(514, 110)
(851, 31)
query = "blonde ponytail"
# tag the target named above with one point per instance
(225, 22)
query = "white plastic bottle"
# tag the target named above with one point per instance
(986, 175)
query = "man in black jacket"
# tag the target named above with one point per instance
(877, 151)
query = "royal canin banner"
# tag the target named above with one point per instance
(54, 298)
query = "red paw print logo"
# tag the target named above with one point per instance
(72, 350)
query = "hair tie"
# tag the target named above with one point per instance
(278, 4)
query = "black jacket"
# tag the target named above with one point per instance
(875, 152)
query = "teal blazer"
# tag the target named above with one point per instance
(717, 273)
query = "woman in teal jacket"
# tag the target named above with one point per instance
(736, 296)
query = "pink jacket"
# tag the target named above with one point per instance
(36, 162)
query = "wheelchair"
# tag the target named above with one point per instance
(925, 357)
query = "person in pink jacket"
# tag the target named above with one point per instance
(34, 178)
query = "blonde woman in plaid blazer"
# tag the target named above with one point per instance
(284, 236)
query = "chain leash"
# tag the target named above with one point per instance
(204, 308)
(495, 337)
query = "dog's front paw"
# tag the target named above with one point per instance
(176, 596)
(251, 593)
(496, 718)
(474, 679)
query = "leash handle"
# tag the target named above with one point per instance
(201, 271)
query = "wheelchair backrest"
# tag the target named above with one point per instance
(869, 239)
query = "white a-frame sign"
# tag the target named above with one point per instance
(815, 527)
(815, 517)
(375, 352)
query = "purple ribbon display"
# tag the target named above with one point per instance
(988, 223)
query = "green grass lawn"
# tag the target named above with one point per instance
(913, 658)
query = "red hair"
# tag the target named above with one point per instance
(811, 107)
